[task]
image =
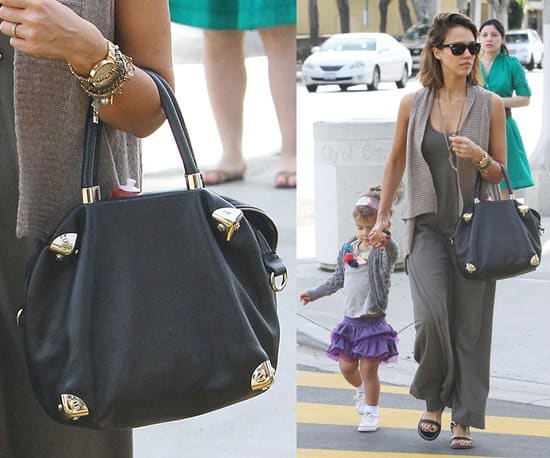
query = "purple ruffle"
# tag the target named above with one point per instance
(358, 338)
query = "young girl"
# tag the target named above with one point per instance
(363, 339)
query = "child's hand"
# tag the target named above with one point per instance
(305, 298)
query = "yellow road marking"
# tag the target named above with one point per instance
(317, 453)
(324, 380)
(407, 419)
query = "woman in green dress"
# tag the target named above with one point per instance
(504, 75)
(224, 23)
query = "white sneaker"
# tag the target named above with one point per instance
(359, 399)
(369, 423)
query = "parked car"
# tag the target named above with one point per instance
(414, 40)
(357, 58)
(526, 45)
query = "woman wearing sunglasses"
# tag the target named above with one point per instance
(446, 133)
(504, 75)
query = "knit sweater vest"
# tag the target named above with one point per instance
(50, 113)
(420, 190)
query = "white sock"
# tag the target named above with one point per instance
(360, 388)
(371, 409)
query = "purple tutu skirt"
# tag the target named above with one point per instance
(357, 338)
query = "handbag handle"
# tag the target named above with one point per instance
(477, 192)
(90, 162)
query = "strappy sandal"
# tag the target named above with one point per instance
(461, 442)
(426, 434)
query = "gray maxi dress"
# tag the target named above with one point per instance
(453, 315)
(25, 430)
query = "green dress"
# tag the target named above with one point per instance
(506, 76)
(233, 14)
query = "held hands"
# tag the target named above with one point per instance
(377, 236)
(47, 28)
(305, 298)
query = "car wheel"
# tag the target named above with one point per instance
(375, 80)
(311, 87)
(531, 65)
(404, 78)
(344, 87)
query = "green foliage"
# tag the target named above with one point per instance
(516, 10)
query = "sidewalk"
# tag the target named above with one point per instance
(238, 430)
(519, 372)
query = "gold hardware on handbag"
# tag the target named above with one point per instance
(263, 377)
(64, 245)
(470, 268)
(72, 407)
(523, 210)
(467, 217)
(229, 220)
(535, 261)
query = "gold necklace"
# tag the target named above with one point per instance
(452, 156)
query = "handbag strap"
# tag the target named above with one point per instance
(179, 130)
(506, 179)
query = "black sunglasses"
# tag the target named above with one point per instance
(457, 49)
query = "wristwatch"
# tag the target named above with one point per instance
(103, 71)
(484, 161)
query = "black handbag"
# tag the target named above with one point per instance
(496, 239)
(152, 308)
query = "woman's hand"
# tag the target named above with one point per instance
(47, 28)
(465, 148)
(305, 298)
(377, 236)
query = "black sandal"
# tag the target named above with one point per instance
(428, 435)
(469, 442)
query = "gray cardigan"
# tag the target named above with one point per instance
(50, 112)
(420, 190)
(380, 265)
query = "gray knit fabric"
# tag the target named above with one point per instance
(420, 190)
(375, 281)
(50, 112)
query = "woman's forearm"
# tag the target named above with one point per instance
(516, 102)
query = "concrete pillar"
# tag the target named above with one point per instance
(349, 158)
(539, 195)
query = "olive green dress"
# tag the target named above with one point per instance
(233, 14)
(506, 77)
(25, 430)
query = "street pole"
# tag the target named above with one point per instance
(540, 159)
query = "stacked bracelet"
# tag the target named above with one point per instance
(484, 163)
(106, 77)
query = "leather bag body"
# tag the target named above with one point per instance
(151, 312)
(497, 239)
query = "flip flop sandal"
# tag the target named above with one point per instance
(467, 441)
(428, 435)
(219, 176)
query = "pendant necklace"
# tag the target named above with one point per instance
(452, 156)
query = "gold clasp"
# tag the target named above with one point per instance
(263, 377)
(467, 217)
(64, 245)
(229, 220)
(470, 268)
(72, 407)
(273, 283)
(535, 261)
(523, 210)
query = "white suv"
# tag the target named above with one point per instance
(526, 45)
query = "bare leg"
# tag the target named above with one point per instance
(280, 47)
(369, 374)
(226, 82)
(349, 369)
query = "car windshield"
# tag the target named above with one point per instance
(347, 44)
(512, 38)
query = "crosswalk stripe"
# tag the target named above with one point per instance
(318, 453)
(407, 419)
(325, 380)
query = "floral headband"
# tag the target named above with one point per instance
(368, 202)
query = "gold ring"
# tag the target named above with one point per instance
(14, 30)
